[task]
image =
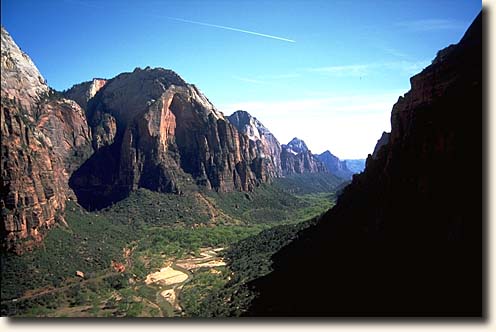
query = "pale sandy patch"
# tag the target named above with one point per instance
(209, 258)
(169, 295)
(166, 275)
(214, 263)
(188, 265)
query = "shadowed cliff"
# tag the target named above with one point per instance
(405, 238)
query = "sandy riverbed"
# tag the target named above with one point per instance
(174, 279)
(167, 275)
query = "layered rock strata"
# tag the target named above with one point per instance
(44, 139)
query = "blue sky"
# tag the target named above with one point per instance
(328, 72)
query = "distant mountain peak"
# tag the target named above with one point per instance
(265, 142)
(161, 75)
(335, 165)
(296, 146)
(248, 125)
(327, 153)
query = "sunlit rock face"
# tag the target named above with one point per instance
(286, 159)
(405, 237)
(265, 143)
(151, 129)
(21, 80)
(44, 139)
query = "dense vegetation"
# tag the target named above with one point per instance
(89, 244)
(308, 183)
(144, 230)
(247, 260)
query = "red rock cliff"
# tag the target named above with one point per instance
(44, 139)
(163, 134)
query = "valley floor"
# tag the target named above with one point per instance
(162, 255)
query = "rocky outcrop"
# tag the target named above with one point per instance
(44, 139)
(153, 130)
(103, 125)
(334, 165)
(296, 158)
(383, 141)
(64, 123)
(261, 139)
(405, 237)
(81, 93)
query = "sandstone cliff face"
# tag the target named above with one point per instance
(334, 165)
(64, 123)
(31, 196)
(405, 237)
(296, 158)
(21, 80)
(151, 129)
(44, 139)
(261, 138)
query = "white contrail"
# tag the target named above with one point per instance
(229, 28)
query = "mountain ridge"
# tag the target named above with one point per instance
(167, 137)
(335, 165)
(296, 158)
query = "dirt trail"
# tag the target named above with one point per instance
(44, 291)
(30, 294)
